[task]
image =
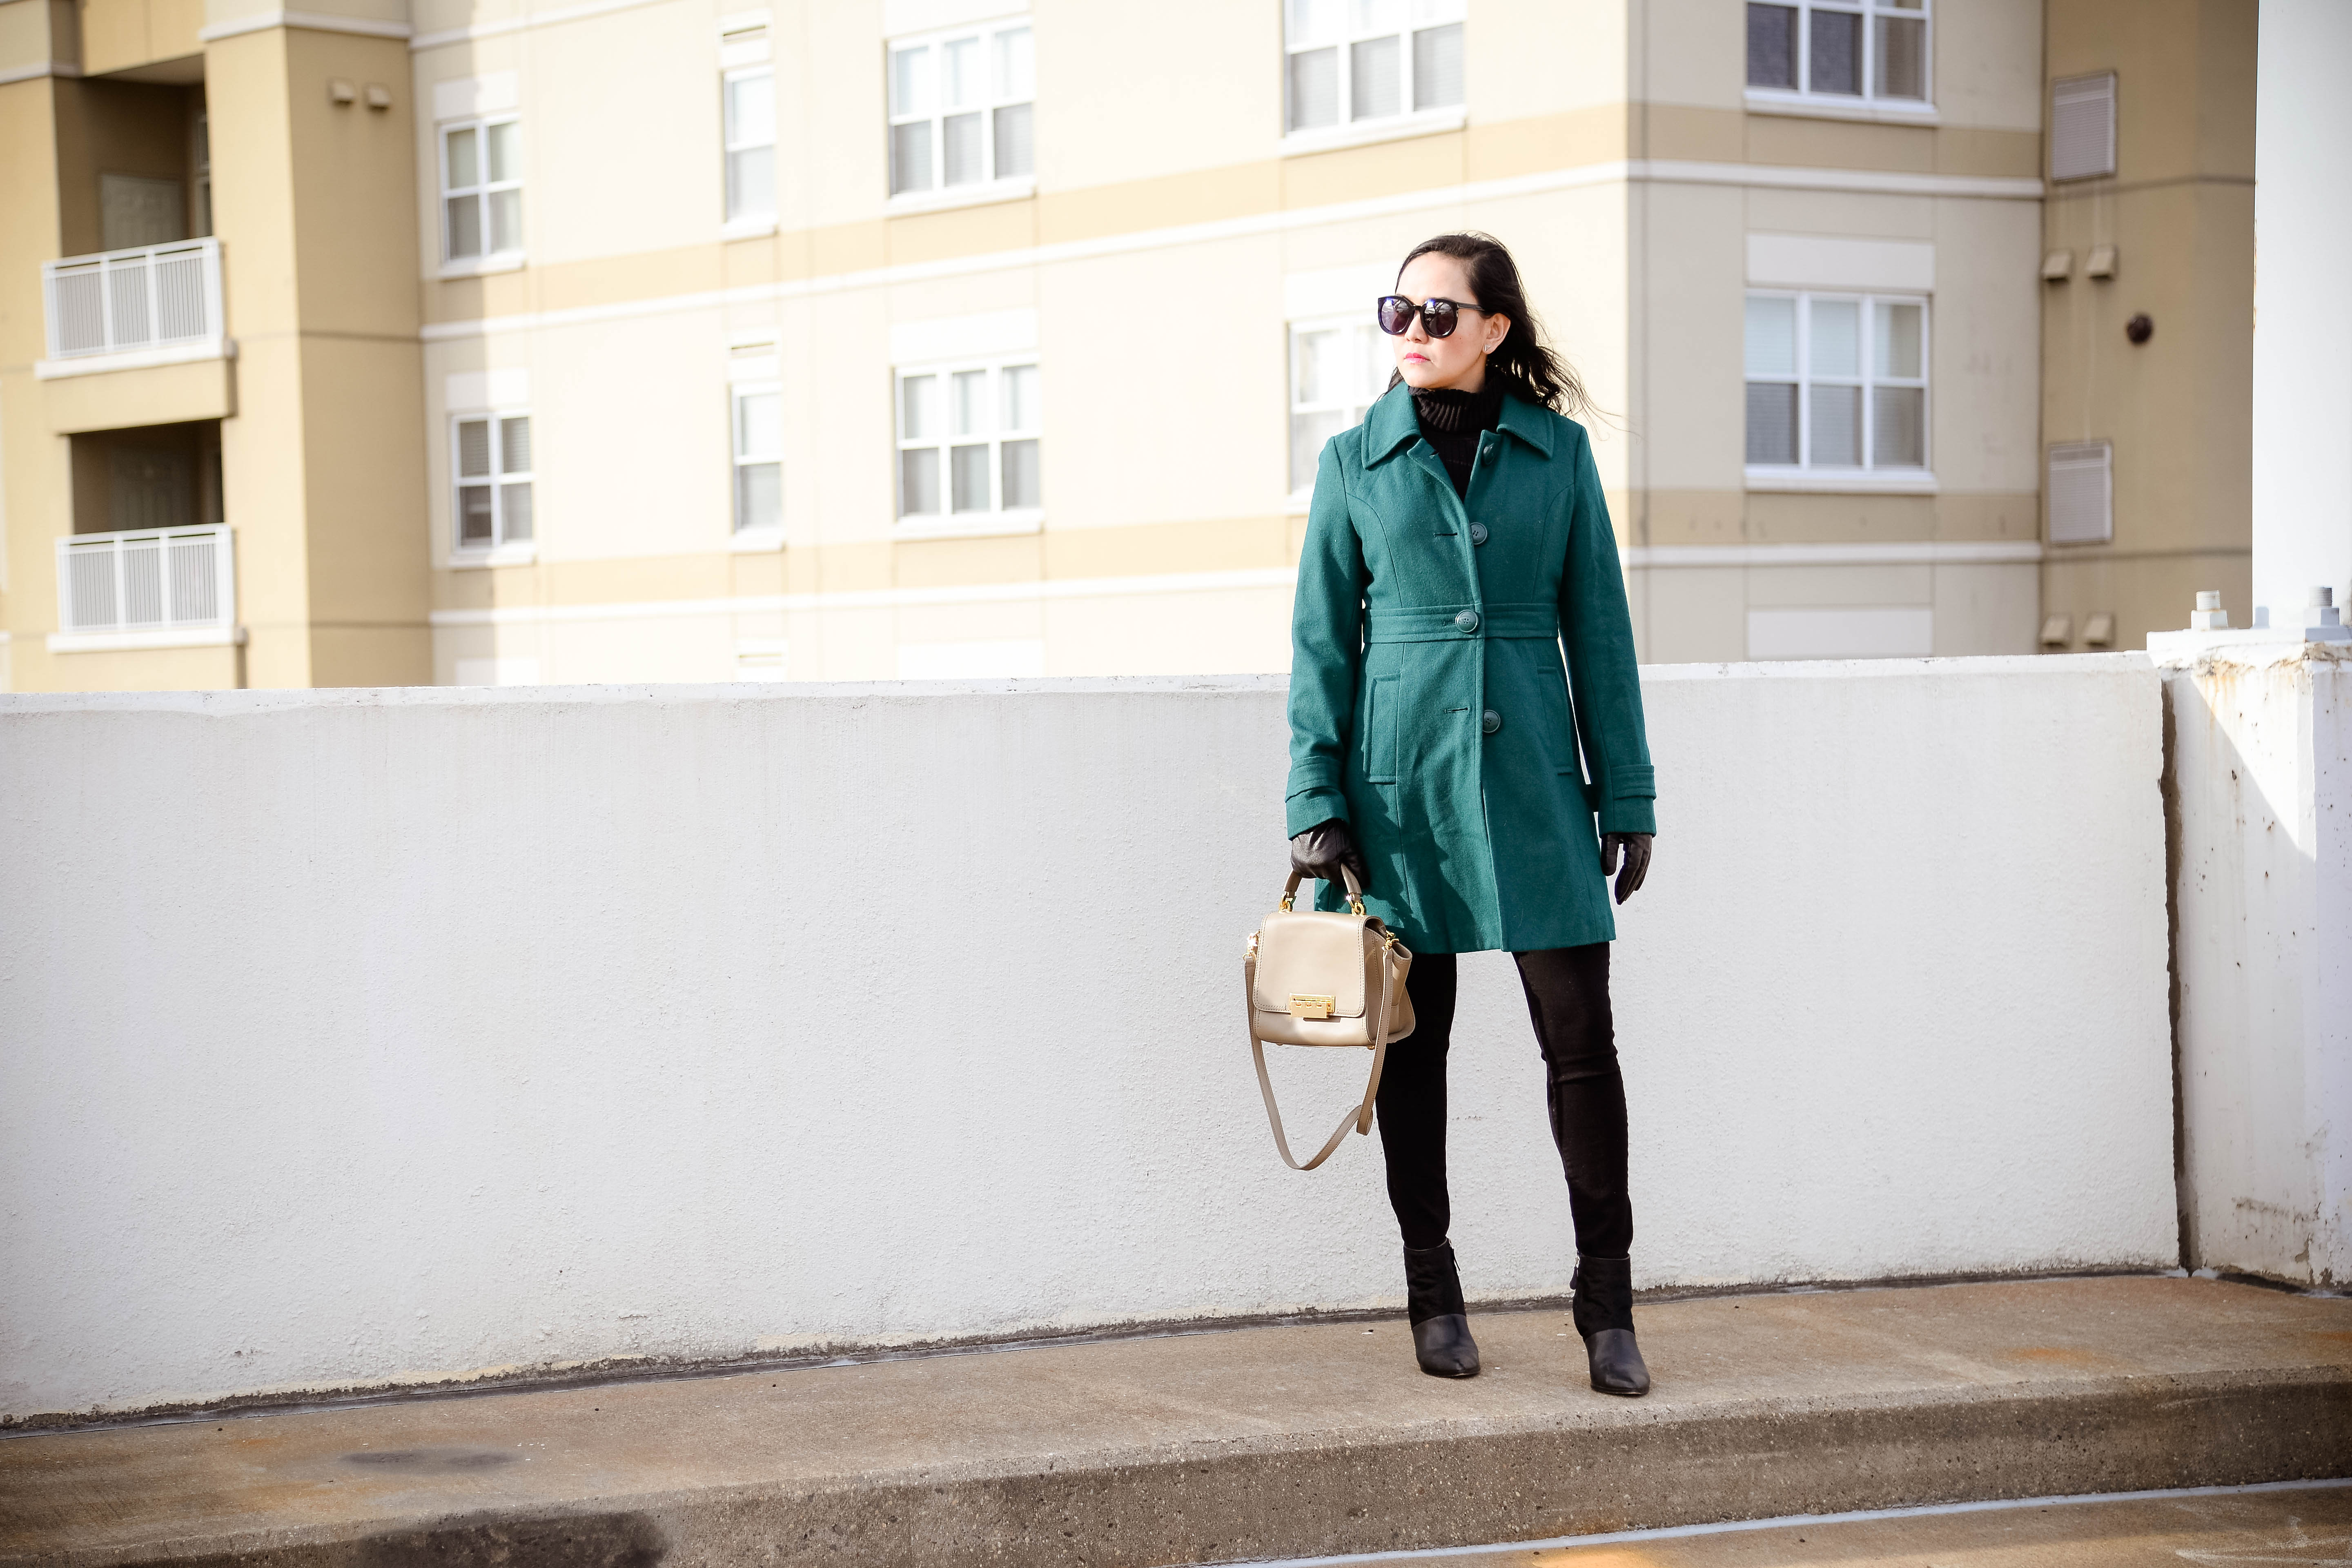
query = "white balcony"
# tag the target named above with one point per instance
(156, 304)
(145, 587)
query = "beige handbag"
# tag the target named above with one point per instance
(1316, 979)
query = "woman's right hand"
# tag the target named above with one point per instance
(1322, 849)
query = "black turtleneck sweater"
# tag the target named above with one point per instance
(1453, 421)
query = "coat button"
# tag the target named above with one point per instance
(1467, 620)
(1477, 533)
(1490, 722)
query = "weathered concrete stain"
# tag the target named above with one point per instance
(586, 1540)
(431, 1461)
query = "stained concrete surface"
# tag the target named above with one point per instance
(2301, 1526)
(1262, 1442)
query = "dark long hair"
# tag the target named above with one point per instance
(1524, 363)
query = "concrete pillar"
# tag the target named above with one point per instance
(2258, 774)
(35, 464)
(2258, 787)
(2302, 311)
(324, 465)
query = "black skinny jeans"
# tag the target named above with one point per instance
(1567, 999)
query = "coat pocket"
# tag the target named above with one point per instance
(1559, 726)
(1381, 732)
(1559, 739)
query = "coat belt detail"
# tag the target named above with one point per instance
(1437, 623)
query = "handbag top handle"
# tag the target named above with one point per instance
(1355, 889)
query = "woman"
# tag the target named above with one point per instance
(1458, 539)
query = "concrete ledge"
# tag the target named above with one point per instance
(1247, 1444)
(110, 399)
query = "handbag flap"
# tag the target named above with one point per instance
(1309, 953)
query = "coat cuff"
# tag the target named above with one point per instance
(1631, 805)
(1312, 807)
(1627, 817)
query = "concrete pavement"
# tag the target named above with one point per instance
(2271, 1528)
(1249, 1442)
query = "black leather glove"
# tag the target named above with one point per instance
(1637, 860)
(1322, 849)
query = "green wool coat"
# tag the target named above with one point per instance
(1429, 707)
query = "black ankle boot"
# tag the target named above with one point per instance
(1603, 1311)
(1441, 1329)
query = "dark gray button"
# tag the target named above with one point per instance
(1490, 721)
(1477, 533)
(1467, 620)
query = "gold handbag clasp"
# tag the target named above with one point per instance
(1312, 1007)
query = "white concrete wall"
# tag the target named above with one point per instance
(2261, 781)
(379, 1036)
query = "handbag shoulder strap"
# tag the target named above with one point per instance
(1360, 1117)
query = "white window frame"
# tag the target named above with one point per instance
(746, 533)
(1376, 371)
(1342, 34)
(1869, 104)
(1805, 474)
(742, 219)
(486, 260)
(946, 522)
(991, 186)
(500, 551)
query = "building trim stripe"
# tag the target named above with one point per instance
(1651, 557)
(876, 598)
(1876, 182)
(1930, 552)
(1618, 171)
(316, 21)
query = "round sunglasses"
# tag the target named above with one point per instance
(1438, 317)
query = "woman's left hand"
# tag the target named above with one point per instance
(1637, 861)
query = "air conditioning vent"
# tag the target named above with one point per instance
(2083, 127)
(2081, 493)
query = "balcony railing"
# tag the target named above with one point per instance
(159, 580)
(157, 296)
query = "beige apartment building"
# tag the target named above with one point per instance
(460, 340)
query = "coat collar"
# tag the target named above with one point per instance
(1391, 425)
